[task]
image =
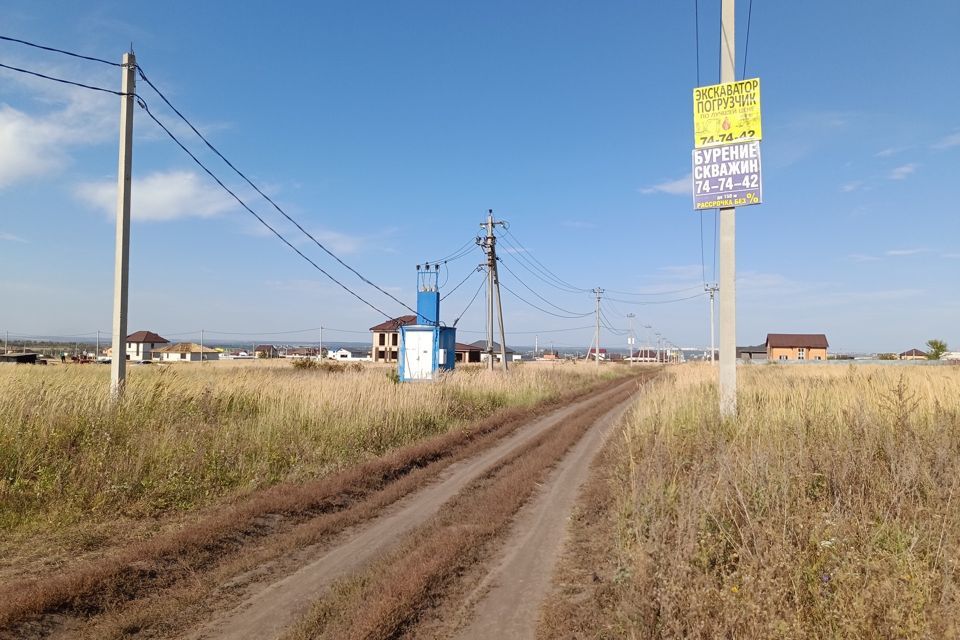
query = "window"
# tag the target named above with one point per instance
(383, 339)
(802, 353)
(783, 357)
(395, 339)
(183, 356)
(381, 355)
(818, 358)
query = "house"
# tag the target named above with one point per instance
(185, 352)
(21, 358)
(603, 354)
(549, 354)
(386, 338)
(349, 355)
(796, 346)
(512, 356)
(913, 354)
(303, 352)
(757, 352)
(142, 344)
(647, 355)
(466, 353)
(266, 351)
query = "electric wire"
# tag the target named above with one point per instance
(528, 288)
(653, 293)
(63, 81)
(64, 52)
(469, 304)
(143, 105)
(525, 254)
(532, 269)
(541, 309)
(464, 249)
(268, 198)
(746, 46)
(469, 275)
(649, 302)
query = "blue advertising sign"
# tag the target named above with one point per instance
(727, 176)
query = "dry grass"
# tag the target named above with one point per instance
(190, 434)
(829, 510)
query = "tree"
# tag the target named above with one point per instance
(935, 349)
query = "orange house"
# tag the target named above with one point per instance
(796, 346)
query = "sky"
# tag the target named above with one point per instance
(387, 130)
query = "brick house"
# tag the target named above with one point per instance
(386, 338)
(796, 346)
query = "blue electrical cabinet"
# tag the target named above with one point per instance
(426, 347)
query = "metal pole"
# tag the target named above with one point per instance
(98, 344)
(503, 335)
(201, 345)
(712, 290)
(596, 349)
(6, 341)
(490, 269)
(121, 279)
(631, 339)
(728, 222)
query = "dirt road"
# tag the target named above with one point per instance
(464, 524)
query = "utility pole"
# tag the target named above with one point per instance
(121, 279)
(536, 346)
(728, 254)
(489, 245)
(6, 341)
(712, 290)
(596, 350)
(630, 337)
(201, 346)
(98, 343)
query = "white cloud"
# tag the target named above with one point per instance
(679, 187)
(952, 140)
(161, 196)
(339, 242)
(886, 153)
(851, 186)
(9, 237)
(901, 172)
(905, 252)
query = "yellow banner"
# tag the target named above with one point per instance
(725, 113)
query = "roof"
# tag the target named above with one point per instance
(468, 347)
(394, 324)
(807, 340)
(913, 352)
(265, 347)
(760, 348)
(602, 350)
(482, 345)
(186, 347)
(146, 336)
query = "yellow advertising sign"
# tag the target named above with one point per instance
(725, 113)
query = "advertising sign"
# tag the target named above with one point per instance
(725, 113)
(727, 176)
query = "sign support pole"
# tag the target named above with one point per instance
(728, 223)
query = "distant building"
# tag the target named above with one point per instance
(590, 354)
(142, 344)
(758, 352)
(549, 354)
(466, 353)
(913, 354)
(186, 352)
(796, 346)
(21, 358)
(266, 351)
(512, 356)
(349, 355)
(386, 338)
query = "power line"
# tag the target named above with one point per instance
(528, 288)
(64, 52)
(268, 198)
(470, 304)
(541, 309)
(654, 293)
(648, 302)
(526, 255)
(533, 332)
(143, 105)
(469, 275)
(62, 81)
(456, 255)
(746, 47)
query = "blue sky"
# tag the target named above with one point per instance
(388, 129)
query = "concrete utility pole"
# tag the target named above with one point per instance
(728, 252)
(630, 338)
(712, 290)
(201, 346)
(493, 291)
(596, 350)
(121, 278)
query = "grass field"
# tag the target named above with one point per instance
(187, 435)
(828, 510)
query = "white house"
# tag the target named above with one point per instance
(186, 352)
(347, 355)
(142, 344)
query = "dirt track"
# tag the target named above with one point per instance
(265, 586)
(269, 609)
